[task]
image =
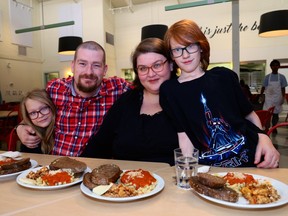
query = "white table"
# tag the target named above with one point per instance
(17, 200)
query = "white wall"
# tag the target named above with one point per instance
(95, 22)
(109, 26)
(128, 29)
(62, 10)
(18, 73)
(27, 72)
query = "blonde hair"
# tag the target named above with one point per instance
(46, 134)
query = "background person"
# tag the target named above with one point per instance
(136, 128)
(274, 86)
(81, 101)
(209, 108)
(38, 111)
(246, 89)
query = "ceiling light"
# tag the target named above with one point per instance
(274, 24)
(156, 30)
(67, 45)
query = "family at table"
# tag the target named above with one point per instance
(92, 116)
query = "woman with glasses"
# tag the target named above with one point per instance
(209, 108)
(39, 112)
(136, 128)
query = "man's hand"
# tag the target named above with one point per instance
(27, 136)
(266, 149)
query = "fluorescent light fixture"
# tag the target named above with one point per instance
(43, 27)
(274, 24)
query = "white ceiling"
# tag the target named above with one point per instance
(114, 4)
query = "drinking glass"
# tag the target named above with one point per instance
(186, 166)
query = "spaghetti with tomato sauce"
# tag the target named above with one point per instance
(140, 179)
(255, 191)
(57, 178)
(47, 177)
(239, 178)
(6, 161)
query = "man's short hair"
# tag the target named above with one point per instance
(275, 63)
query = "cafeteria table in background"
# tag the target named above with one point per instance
(4, 113)
(17, 200)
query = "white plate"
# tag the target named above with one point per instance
(24, 174)
(281, 188)
(157, 189)
(11, 175)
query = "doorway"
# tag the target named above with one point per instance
(50, 76)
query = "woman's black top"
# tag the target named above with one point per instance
(126, 134)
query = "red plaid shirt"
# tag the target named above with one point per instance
(78, 117)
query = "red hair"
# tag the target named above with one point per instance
(186, 32)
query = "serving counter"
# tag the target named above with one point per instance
(17, 200)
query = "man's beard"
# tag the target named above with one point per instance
(87, 89)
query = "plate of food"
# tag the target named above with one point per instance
(10, 167)
(240, 190)
(107, 182)
(61, 173)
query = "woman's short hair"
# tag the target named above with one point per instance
(148, 45)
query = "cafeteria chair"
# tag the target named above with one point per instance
(283, 124)
(286, 97)
(4, 106)
(13, 140)
(7, 126)
(265, 117)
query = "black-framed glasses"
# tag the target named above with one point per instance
(156, 67)
(192, 48)
(35, 114)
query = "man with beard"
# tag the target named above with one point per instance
(81, 101)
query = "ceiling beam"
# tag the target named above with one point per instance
(43, 27)
(194, 4)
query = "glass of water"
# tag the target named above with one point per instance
(186, 166)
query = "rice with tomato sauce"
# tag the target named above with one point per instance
(251, 189)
